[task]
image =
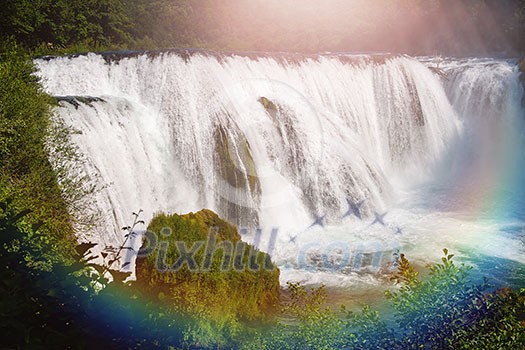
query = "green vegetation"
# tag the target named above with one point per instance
(443, 310)
(38, 304)
(53, 295)
(71, 305)
(27, 178)
(75, 305)
(447, 310)
(50, 296)
(63, 23)
(232, 283)
(413, 26)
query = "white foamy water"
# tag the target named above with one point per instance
(274, 144)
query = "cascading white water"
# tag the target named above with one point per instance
(273, 144)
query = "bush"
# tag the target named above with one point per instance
(447, 311)
(72, 305)
(26, 176)
(443, 310)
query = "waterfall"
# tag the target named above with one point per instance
(273, 142)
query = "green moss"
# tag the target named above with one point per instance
(247, 289)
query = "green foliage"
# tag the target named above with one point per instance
(413, 26)
(368, 330)
(24, 110)
(39, 304)
(77, 188)
(26, 175)
(60, 23)
(501, 324)
(310, 324)
(447, 311)
(405, 272)
(226, 294)
(71, 305)
(443, 310)
(163, 23)
(431, 310)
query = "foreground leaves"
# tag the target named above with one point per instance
(443, 310)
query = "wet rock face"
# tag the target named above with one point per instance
(521, 66)
(77, 100)
(241, 188)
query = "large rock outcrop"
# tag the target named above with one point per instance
(224, 278)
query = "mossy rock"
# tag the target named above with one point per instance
(267, 104)
(239, 173)
(272, 109)
(247, 289)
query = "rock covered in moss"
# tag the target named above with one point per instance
(223, 278)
